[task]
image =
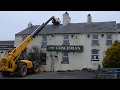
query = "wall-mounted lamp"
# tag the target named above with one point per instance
(72, 35)
(53, 35)
(102, 35)
(88, 35)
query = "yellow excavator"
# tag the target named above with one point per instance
(10, 63)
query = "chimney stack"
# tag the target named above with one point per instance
(89, 19)
(66, 18)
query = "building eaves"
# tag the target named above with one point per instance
(11, 42)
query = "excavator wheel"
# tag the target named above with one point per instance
(5, 74)
(22, 69)
(36, 67)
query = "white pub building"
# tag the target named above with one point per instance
(72, 46)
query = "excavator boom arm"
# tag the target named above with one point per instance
(9, 62)
(42, 26)
(24, 44)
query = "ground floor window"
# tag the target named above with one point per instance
(104, 54)
(65, 59)
(43, 58)
(95, 55)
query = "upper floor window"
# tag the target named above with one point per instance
(95, 55)
(95, 40)
(44, 41)
(24, 37)
(109, 40)
(66, 40)
(65, 58)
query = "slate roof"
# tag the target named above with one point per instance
(74, 28)
(118, 25)
(7, 42)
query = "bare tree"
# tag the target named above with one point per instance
(34, 54)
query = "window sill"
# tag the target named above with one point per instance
(95, 45)
(64, 63)
(108, 44)
(66, 44)
(95, 60)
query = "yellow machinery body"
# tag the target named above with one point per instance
(10, 63)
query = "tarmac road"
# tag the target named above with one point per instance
(56, 75)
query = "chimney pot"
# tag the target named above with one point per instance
(29, 25)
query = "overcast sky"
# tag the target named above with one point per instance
(12, 22)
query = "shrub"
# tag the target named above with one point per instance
(112, 58)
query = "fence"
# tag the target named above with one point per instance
(108, 73)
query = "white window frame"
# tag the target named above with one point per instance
(44, 42)
(63, 56)
(104, 54)
(108, 40)
(92, 59)
(95, 40)
(66, 40)
(118, 37)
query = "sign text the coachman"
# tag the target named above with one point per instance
(65, 48)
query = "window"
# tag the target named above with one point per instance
(118, 37)
(104, 54)
(44, 41)
(109, 40)
(43, 58)
(65, 58)
(1, 52)
(95, 40)
(24, 37)
(66, 40)
(95, 55)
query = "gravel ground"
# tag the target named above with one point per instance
(56, 75)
